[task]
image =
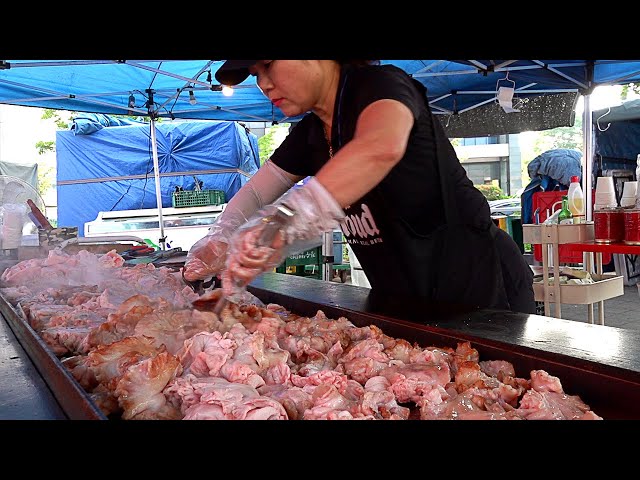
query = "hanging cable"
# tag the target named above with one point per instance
(122, 196)
(146, 170)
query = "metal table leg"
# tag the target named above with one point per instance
(556, 281)
(545, 279)
(588, 267)
(599, 271)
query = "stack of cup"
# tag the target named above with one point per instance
(605, 193)
(629, 191)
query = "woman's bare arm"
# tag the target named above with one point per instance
(379, 142)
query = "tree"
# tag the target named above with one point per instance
(46, 174)
(561, 137)
(271, 140)
(50, 113)
(627, 89)
(491, 192)
(266, 145)
(49, 146)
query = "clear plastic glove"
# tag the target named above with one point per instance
(207, 257)
(253, 249)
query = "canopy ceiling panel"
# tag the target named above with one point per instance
(107, 86)
(456, 86)
(162, 87)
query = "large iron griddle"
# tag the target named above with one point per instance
(600, 364)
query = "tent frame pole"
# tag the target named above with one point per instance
(587, 165)
(156, 174)
(587, 183)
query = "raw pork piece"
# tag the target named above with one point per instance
(204, 354)
(380, 402)
(66, 340)
(82, 372)
(222, 400)
(364, 359)
(140, 390)
(254, 356)
(547, 401)
(110, 362)
(410, 382)
(295, 400)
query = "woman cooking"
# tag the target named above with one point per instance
(380, 166)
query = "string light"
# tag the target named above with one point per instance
(192, 98)
(132, 104)
(227, 91)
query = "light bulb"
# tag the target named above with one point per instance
(132, 101)
(192, 98)
(227, 91)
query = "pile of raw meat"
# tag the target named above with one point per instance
(134, 341)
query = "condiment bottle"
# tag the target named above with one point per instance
(576, 200)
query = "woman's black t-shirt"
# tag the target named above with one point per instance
(385, 227)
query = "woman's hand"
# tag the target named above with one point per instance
(207, 257)
(277, 231)
(254, 250)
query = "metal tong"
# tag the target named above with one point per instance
(273, 225)
(198, 286)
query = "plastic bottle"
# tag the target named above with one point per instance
(565, 217)
(576, 200)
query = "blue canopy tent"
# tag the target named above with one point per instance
(162, 86)
(462, 92)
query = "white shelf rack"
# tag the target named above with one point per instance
(606, 285)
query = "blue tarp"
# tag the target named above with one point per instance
(87, 123)
(549, 170)
(112, 168)
(619, 145)
(559, 163)
(617, 136)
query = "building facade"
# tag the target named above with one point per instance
(492, 160)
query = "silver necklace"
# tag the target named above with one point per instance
(328, 139)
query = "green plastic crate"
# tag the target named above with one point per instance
(197, 199)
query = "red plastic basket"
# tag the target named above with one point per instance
(549, 202)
